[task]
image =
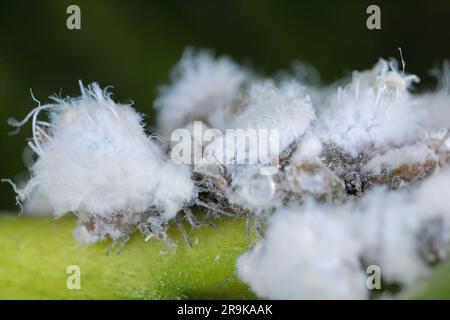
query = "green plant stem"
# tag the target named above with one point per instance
(35, 253)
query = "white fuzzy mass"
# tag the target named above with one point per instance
(361, 175)
(95, 159)
(307, 253)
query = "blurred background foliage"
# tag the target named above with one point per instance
(132, 45)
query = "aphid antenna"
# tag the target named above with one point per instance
(247, 227)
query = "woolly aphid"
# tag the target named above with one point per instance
(302, 256)
(202, 88)
(94, 159)
(338, 143)
(322, 251)
(360, 177)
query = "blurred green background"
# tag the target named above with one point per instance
(132, 45)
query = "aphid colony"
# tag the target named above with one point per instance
(361, 173)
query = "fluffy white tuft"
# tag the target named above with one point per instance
(320, 251)
(306, 254)
(202, 89)
(95, 158)
(374, 111)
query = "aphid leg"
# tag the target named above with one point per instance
(154, 227)
(258, 227)
(190, 217)
(111, 247)
(247, 228)
(183, 231)
(121, 243)
(213, 208)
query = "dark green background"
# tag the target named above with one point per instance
(132, 46)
